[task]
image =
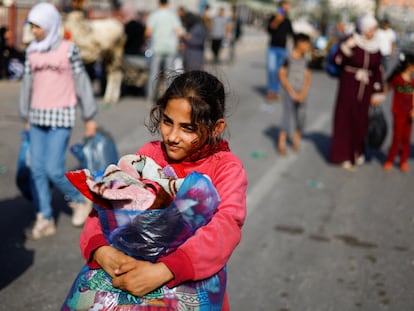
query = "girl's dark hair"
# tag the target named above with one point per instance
(204, 92)
(405, 60)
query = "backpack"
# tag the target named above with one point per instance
(331, 67)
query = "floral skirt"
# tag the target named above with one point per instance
(93, 290)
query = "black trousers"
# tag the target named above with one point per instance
(216, 47)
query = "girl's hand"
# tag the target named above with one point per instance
(110, 259)
(26, 126)
(141, 277)
(90, 128)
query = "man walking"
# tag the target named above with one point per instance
(163, 29)
(219, 31)
(387, 40)
(279, 28)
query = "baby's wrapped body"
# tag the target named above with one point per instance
(146, 212)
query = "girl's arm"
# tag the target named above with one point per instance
(91, 239)
(205, 253)
(95, 248)
(202, 255)
(208, 251)
(25, 92)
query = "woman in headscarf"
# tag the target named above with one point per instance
(53, 81)
(360, 85)
(193, 41)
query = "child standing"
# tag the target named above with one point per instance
(402, 82)
(53, 80)
(295, 78)
(190, 118)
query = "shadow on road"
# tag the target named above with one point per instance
(273, 133)
(260, 89)
(17, 214)
(376, 154)
(321, 141)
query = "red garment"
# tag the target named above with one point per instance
(353, 100)
(402, 105)
(210, 248)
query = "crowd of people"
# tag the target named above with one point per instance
(368, 67)
(177, 40)
(190, 118)
(195, 35)
(189, 115)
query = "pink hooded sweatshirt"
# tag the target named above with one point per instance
(209, 250)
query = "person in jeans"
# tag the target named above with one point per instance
(220, 30)
(53, 80)
(164, 29)
(279, 28)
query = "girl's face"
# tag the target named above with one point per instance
(38, 32)
(180, 136)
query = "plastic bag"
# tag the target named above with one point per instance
(23, 175)
(93, 290)
(377, 127)
(331, 67)
(149, 234)
(152, 233)
(97, 152)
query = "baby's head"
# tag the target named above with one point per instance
(206, 97)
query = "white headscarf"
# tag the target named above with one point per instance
(366, 23)
(46, 16)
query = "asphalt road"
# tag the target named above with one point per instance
(316, 238)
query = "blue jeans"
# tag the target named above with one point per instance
(157, 60)
(48, 148)
(275, 59)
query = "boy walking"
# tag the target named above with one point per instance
(295, 78)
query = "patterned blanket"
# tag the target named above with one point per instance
(146, 212)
